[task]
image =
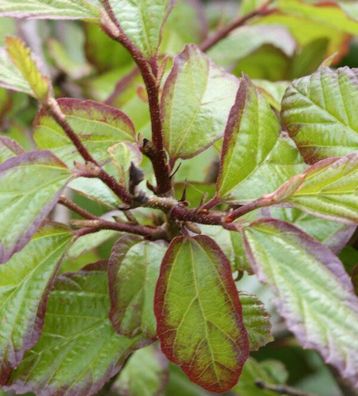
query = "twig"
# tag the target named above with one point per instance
(226, 30)
(93, 226)
(281, 389)
(149, 73)
(75, 208)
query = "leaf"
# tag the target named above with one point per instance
(330, 233)
(96, 190)
(99, 126)
(142, 21)
(244, 41)
(350, 8)
(254, 150)
(30, 185)
(319, 113)
(78, 351)
(123, 155)
(133, 273)
(88, 242)
(328, 189)
(23, 60)
(196, 101)
(325, 14)
(9, 148)
(254, 371)
(146, 374)
(314, 293)
(199, 318)
(25, 282)
(51, 9)
(256, 321)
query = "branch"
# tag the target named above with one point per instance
(149, 73)
(226, 30)
(93, 226)
(75, 208)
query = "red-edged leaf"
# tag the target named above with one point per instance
(99, 126)
(25, 282)
(9, 148)
(30, 185)
(315, 294)
(133, 273)
(199, 314)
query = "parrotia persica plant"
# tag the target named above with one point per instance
(178, 188)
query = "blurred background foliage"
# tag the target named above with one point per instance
(85, 63)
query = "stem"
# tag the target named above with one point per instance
(57, 114)
(93, 226)
(149, 74)
(281, 389)
(75, 208)
(226, 30)
(95, 170)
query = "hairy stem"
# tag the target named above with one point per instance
(93, 226)
(226, 30)
(281, 389)
(149, 72)
(75, 208)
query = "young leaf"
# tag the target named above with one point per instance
(133, 273)
(315, 294)
(196, 102)
(99, 126)
(319, 113)
(141, 21)
(256, 321)
(199, 315)
(329, 189)
(21, 57)
(25, 282)
(253, 149)
(51, 9)
(78, 351)
(145, 374)
(9, 148)
(30, 185)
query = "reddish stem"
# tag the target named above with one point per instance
(149, 73)
(226, 30)
(75, 208)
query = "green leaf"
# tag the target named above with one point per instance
(30, 185)
(99, 126)
(244, 41)
(9, 148)
(254, 371)
(273, 91)
(25, 282)
(88, 242)
(330, 233)
(253, 149)
(51, 9)
(145, 374)
(325, 14)
(78, 351)
(96, 190)
(198, 311)
(10, 76)
(256, 321)
(133, 273)
(23, 60)
(327, 189)
(142, 21)
(319, 113)
(196, 102)
(123, 155)
(314, 293)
